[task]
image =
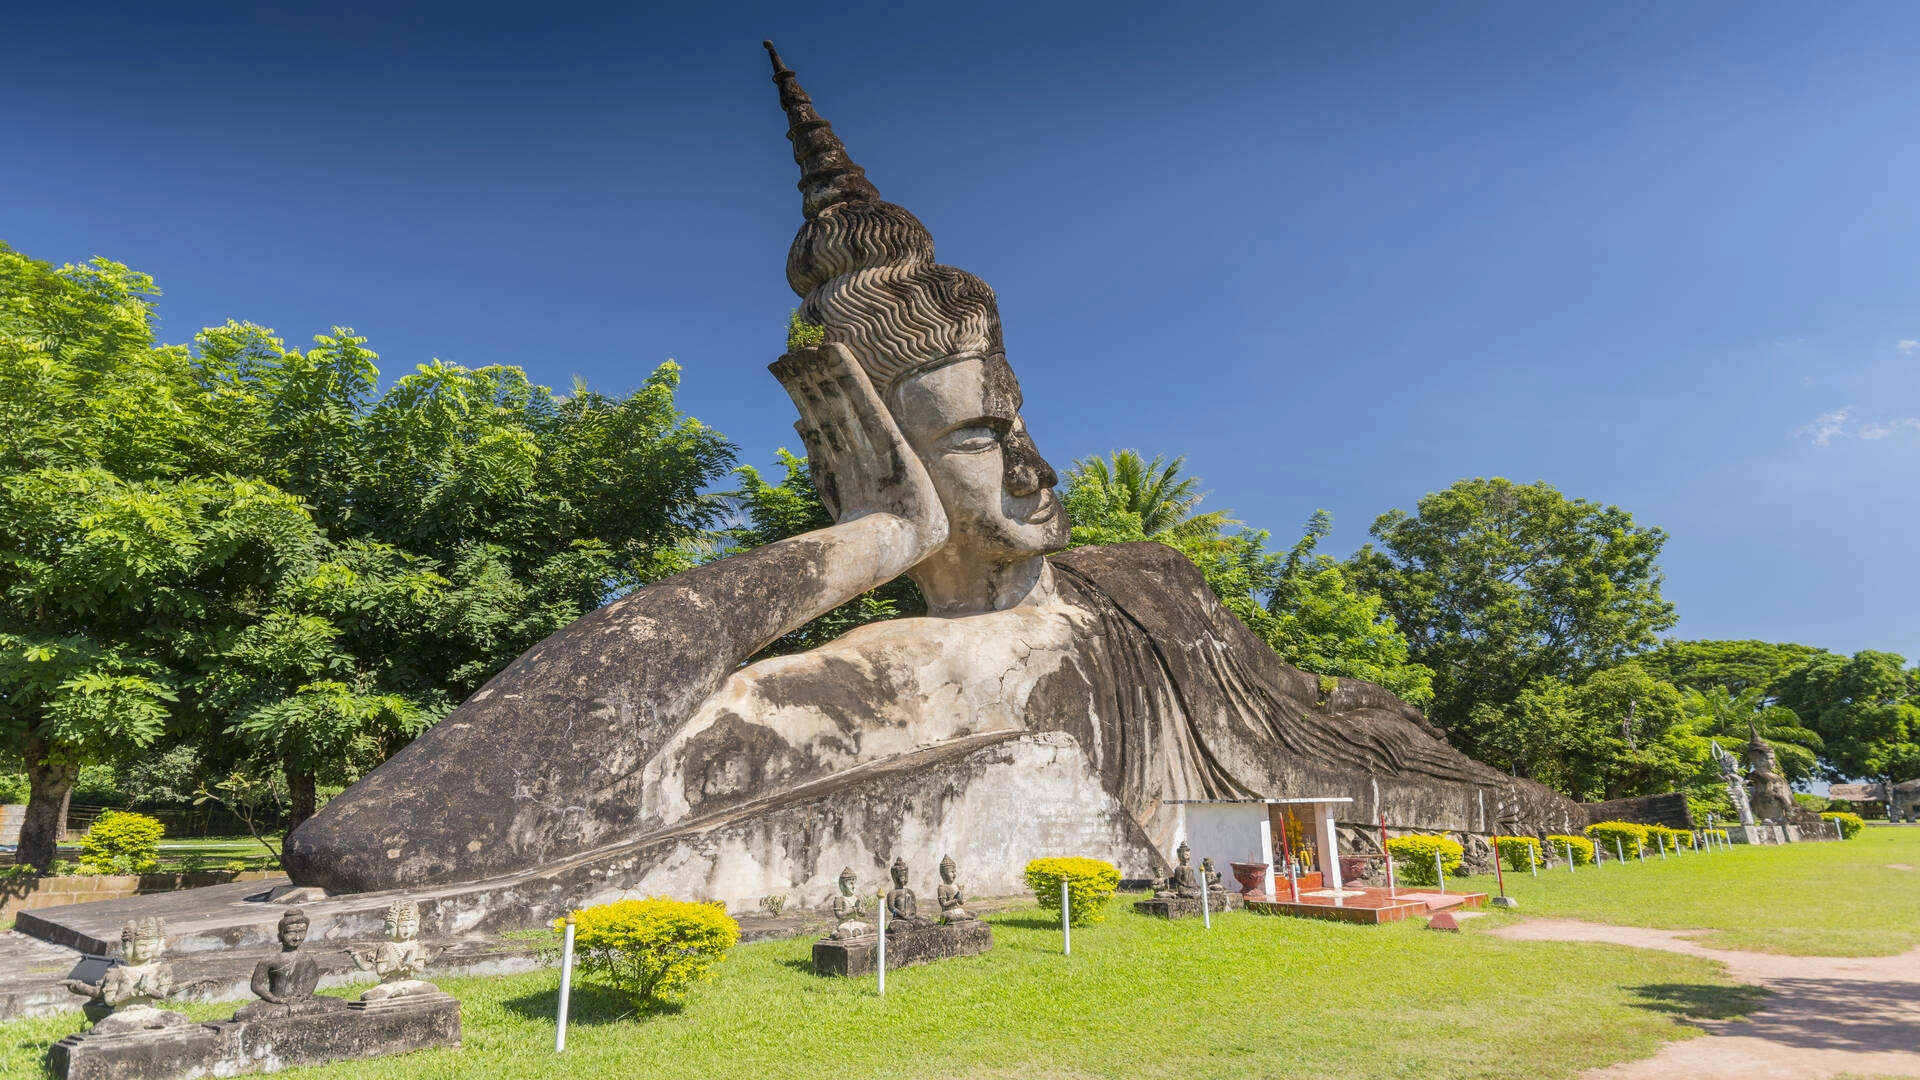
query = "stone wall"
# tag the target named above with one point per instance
(1670, 809)
(30, 893)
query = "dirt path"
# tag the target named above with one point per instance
(1827, 1015)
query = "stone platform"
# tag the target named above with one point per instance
(1179, 907)
(904, 948)
(1367, 905)
(353, 1030)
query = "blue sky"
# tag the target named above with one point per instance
(1663, 256)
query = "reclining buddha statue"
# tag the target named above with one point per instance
(1044, 699)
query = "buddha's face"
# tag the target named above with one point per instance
(963, 419)
(293, 935)
(846, 886)
(142, 950)
(899, 877)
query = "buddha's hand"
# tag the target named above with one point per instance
(860, 461)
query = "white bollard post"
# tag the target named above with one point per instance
(1663, 845)
(1619, 851)
(1533, 860)
(1066, 924)
(566, 984)
(1568, 844)
(1837, 833)
(1206, 914)
(880, 954)
(1440, 873)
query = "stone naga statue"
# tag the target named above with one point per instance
(643, 717)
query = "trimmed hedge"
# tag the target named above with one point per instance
(1520, 853)
(1413, 857)
(1850, 824)
(1581, 847)
(1675, 839)
(1632, 837)
(122, 842)
(1091, 883)
(651, 950)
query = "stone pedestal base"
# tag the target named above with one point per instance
(164, 1052)
(308, 1036)
(1179, 907)
(905, 947)
(1763, 834)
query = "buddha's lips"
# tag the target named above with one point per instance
(1049, 506)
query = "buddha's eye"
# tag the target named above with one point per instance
(973, 439)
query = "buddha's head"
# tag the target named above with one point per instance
(293, 929)
(928, 337)
(847, 881)
(947, 869)
(1184, 853)
(899, 872)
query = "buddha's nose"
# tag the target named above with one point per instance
(1026, 471)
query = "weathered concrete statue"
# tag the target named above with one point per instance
(848, 924)
(952, 903)
(124, 998)
(1079, 693)
(398, 959)
(903, 908)
(285, 983)
(1736, 787)
(1772, 798)
(1211, 876)
(1182, 882)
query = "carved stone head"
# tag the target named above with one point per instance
(1184, 853)
(899, 872)
(928, 337)
(142, 941)
(847, 881)
(947, 869)
(403, 920)
(293, 929)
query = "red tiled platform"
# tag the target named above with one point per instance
(1371, 906)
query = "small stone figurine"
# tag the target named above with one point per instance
(903, 910)
(399, 958)
(952, 903)
(123, 1000)
(1183, 883)
(847, 911)
(284, 984)
(1212, 876)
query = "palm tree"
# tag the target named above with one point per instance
(1165, 501)
(1721, 713)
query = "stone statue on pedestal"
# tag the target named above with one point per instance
(285, 983)
(903, 909)
(399, 958)
(1736, 789)
(848, 925)
(1771, 797)
(1182, 882)
(952, 904)
(123, 1000)
(1211, 875)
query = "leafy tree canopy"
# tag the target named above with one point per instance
(1866, 709)
(1736, 666)
(1619, 732)
(1499, 585)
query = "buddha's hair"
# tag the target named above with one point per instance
(864, 268)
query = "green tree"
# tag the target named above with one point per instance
(1736, 666)
(1320, 623)
(1731, 716)
(1166, 503)
(1499, 586)
(1865, 707)
(1618, 733)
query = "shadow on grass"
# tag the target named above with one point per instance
(1700, 1001)
(590, 1003)
(797, 963)
(1031, 922)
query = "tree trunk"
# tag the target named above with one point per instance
(300, 795)
(45, 821)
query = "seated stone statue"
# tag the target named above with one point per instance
(285, 983)
(645, 717)
(848, 925)
(1211, 876)
(952, 903)
(903, 909)
(124, 999)
(1182, 883)
(399, 958)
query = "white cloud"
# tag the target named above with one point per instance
(1909, 346)
(1881, 431)
(1826, 426)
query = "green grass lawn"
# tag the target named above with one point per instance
(1830, 899)
(1138, 998)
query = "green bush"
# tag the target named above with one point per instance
(651, 950)
(14, 789)
(1632, 837)
(1413, 857)
(1520, 853)
(1850, 824)
(1090, 882)
(1581, 847)
(1671, 839)
(122, 842)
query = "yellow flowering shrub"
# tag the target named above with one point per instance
(1520, 853)
(654, 949)
(122, 843)
(1413, 857)
(1090, 883)
(1581, 847)
(1632, 837)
